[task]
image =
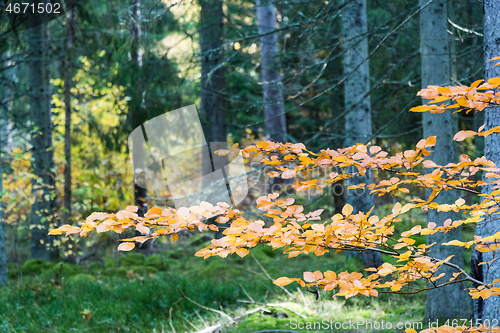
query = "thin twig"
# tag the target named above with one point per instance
(210, 309)
(269, 276)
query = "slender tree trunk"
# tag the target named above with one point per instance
(213, 108)
(337, 106)
(140, 193)
(41, 141)
(358, 122)
(3, 254)
(436, 70)
(490, 272)
(70, 33)
(272, 90)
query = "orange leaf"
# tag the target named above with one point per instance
(312, 276)
(242, 252)
(462, 135)
(282, 281)
(154, 211)
(431, 141)
(126, 246)
(288, 174)
(142, 228)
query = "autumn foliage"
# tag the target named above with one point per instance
(297, 231)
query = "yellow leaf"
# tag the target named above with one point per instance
(282, 281)
(410, 330)
(126, 246)
(431, 141)
(455, 242)
(330, 275)
(242, 252)
(494, 81)
(175, 237)
(347, 210)
(56, 232)
(422, 108)
(396, 287)
(154, 211)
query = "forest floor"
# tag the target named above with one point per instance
(177, 292)
(173, 291)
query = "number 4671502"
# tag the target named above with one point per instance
(40, 8)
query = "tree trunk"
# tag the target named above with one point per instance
(274, 106)
(435, 55)
(3, 255)
(358, 122)
(491, 305)
(213, 108)
(140, 193)
(41, 141)
(70, 33)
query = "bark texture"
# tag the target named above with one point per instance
(70, 34)
(213, 108)
(274, 106)
(358, 122)
(140, 193)
(435, 54)
(491, 306)
(3, 254)
(41, 141)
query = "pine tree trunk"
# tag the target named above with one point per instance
(140, 193)
(358, 122)
(491, 305)
(70, 33)
(41, 141)
(3, 254)
(274, 106)
(213, 108)
(436, 70)
(4, 147)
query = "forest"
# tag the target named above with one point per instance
(254, 166)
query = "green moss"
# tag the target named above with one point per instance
(13, 270)
(156, 261)
(131, 259)
(95, 267)
(65, 269)
(79, 279)
(35, 266)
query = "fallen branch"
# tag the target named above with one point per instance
(276, 306)
(213, 328)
